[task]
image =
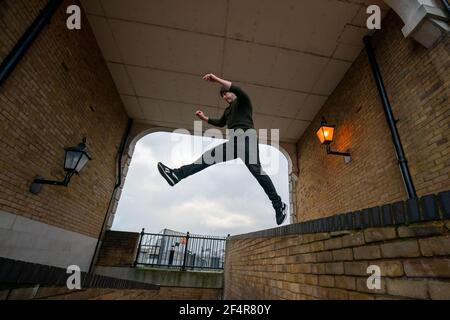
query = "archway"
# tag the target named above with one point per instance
(140, 131)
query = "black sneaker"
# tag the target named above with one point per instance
(281, 213)
(168, 174)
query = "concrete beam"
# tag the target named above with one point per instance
(426, 21)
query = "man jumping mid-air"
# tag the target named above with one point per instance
(238, 118)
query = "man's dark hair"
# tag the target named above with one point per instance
(223, 90)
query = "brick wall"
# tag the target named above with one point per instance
(118, 249)
(60, 92)
(417, 82)
(61, 293)
(21, 280)
(328, 258)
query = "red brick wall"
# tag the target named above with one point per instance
(59, 93)
(417, 81)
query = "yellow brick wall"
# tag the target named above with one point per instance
(414, 262)
(417, 81)
(118, 249)
(60, 92)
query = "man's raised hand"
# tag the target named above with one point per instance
(210, 77)
(201, 115)
(213, 78)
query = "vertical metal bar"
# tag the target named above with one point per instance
(152, 249)
(193, 241)
(197, 243)
(224, 247)
(166, 246)
(139, 247)
(216, 258)
(403, 163)
(211, 254)
(183, 268)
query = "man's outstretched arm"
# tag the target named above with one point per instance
(223, 120)
(213, 78)
(215, 122)
(228, 85)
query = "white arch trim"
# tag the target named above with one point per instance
(292, 178)
(146, 132)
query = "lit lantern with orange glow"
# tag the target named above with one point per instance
(325, 133)
(326, 136)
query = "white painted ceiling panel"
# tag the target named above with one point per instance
(347, 52)
(121, 78)
(352, 35)
(172, 86)
(271, 101)
(330, 78)
(168, 49)
(168, 111)
(311, 107)
(204, 16)
(296, 129)
(328, 24)
(132, 106)
(105, 38)
(92, 7)
(270, 66)
(289, 55)
(290, 23)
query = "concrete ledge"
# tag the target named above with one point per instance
(165, 278)
(28, 240)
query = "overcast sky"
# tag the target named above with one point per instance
(222, 199)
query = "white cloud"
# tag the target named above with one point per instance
(222, 199)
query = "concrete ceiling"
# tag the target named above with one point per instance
(289, 55)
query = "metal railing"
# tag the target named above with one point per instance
(181, 250)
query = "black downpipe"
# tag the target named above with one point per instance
(403, 163)
(447, 5)
(19, 50)
(118, 184)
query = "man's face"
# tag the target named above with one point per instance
(228, 96)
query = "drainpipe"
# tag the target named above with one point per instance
(19, 50)
(117, 186)
(447, 5)
(403, 163)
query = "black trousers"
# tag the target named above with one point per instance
(238, 146)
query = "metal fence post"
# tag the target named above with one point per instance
(183, 268)
(139, 247)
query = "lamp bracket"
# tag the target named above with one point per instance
(39, 181)
(346, 155)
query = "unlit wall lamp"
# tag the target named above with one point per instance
(326, 136)
(75, 160)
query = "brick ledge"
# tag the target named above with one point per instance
(433, 207)
(19, 273)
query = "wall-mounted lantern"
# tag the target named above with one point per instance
(326, 136)
(75, 160)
